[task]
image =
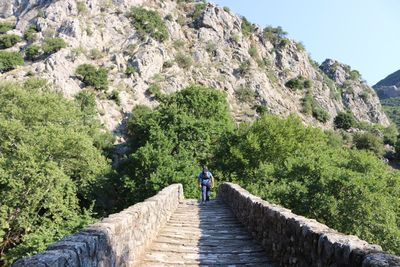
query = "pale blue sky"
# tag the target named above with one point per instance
(362, 33)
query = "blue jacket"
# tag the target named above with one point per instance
(204, 177)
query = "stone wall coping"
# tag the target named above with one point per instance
(298, 241)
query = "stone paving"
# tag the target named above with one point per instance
(204, 235)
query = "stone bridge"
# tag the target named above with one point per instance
(236, 229)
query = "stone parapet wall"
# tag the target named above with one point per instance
(118, 240)
(293, 240)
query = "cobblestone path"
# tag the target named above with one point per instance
(204, 235)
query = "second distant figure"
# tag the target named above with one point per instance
(206, 182)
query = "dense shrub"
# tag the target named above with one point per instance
(130, 70)
(183, 61)
(344, 120)
(320, 114)
(253, 51)
(369, 141)
(9, 40)
(154, 90)
(10, 60)
(114, 95)
(5, 27)
(244, 67)
(91, 76)
(274, 34)
(198, 10)
(148, 22)
(245, 94)
(247, 27)
(31, 33)
(286, 163)
(32, 52)
(52, 45)
(51, 170)
(81, 7)
(168, 144)
(299, 83)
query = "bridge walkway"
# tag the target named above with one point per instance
(204, 235)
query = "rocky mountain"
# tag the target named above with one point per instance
(389, 87)
(181, 43)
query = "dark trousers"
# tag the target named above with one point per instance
(205, 190)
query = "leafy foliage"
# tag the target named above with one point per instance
(286, 163)
(247, 27)
(274, 34)
(148, 22)
(91, 76)
(30, 33)
(32, 52)
(298, 83)
(9, 40)
(10, 60)
(344, 120)
(51, 169)
(169, 144)
(5, 27)
(52, 45)
(198, 10)
(245, 94)
(183, 61)
(369, 141)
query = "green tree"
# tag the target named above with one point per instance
(91, 76)
(369, 141)
(344, 120)
(5, 27)
(32, 52)
(286, 163)
(51, 171)
(10, 60)
(169, 144)
(52, 45)
(31, 33)
(9, 40)
(148, 22)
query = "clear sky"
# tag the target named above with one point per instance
(364, 34)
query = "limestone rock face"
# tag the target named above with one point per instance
(357, 96)
(389, 87)
(209, 48)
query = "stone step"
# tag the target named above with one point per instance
(206, 258)
(178, 247)
(204, 235)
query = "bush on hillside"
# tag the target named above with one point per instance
(299, 83)
(10, 60)
(91, 76)
(148, 23)
(274, 34)
(32, 52)
(5, 27)
(52, 45)
(344, 120)
(247, 27)
(198, 10)
(369, 141)
(245, 94)
(295, 166)
(183, 61)
(31, 33)
(9, 40)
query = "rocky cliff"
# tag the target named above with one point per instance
(259, 69)
(389, 87)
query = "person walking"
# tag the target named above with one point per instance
(206, 182)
